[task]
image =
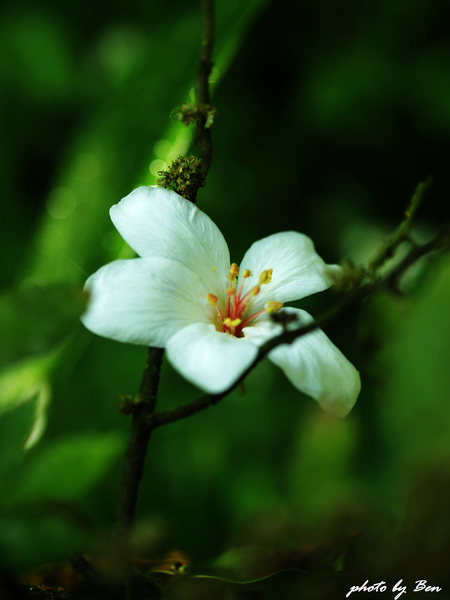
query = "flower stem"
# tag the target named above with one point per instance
(143, 410)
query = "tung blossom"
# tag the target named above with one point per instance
(184, 294)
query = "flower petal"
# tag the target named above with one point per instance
(144, 301)
(313, 364)
(159, 223)
(298, 270)
(209, 359)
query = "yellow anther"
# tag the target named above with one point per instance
(212, 299)
(246, 274)
(273, 307)
(234, 272)
(255, 290)
(266, 276)
(232, 323)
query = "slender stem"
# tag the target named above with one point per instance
(202, 95)
(194, 406)
(287, 337)
(141, 429)
(390, 281)
(143, 409)
(390, 245)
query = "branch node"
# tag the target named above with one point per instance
(284, 319)
(190, 113)
(126, 404)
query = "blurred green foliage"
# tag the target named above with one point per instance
(35, 319)
(328, 116)
(67, 468)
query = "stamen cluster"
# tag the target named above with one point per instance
(232, 318)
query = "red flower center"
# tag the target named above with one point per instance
(231, 320)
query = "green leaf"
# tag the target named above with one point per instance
(35, 319)
(27, 383)
(14, 426)
(68, 468)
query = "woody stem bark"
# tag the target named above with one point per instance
(141, 429)
(202, 95)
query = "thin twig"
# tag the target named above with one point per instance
(287, 337)
(143, 408)
(202, 95)
(388, 248)
(390, 281)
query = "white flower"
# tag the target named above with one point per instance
(184, 295)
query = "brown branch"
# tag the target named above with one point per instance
(287, 337)
(142, 411)
(143, 406)
(440, 242)
(390, 281)
(202, 95)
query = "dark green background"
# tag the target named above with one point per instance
(328, 116)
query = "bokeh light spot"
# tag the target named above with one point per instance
(156, 166)
(61, 203)
(162, 148)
